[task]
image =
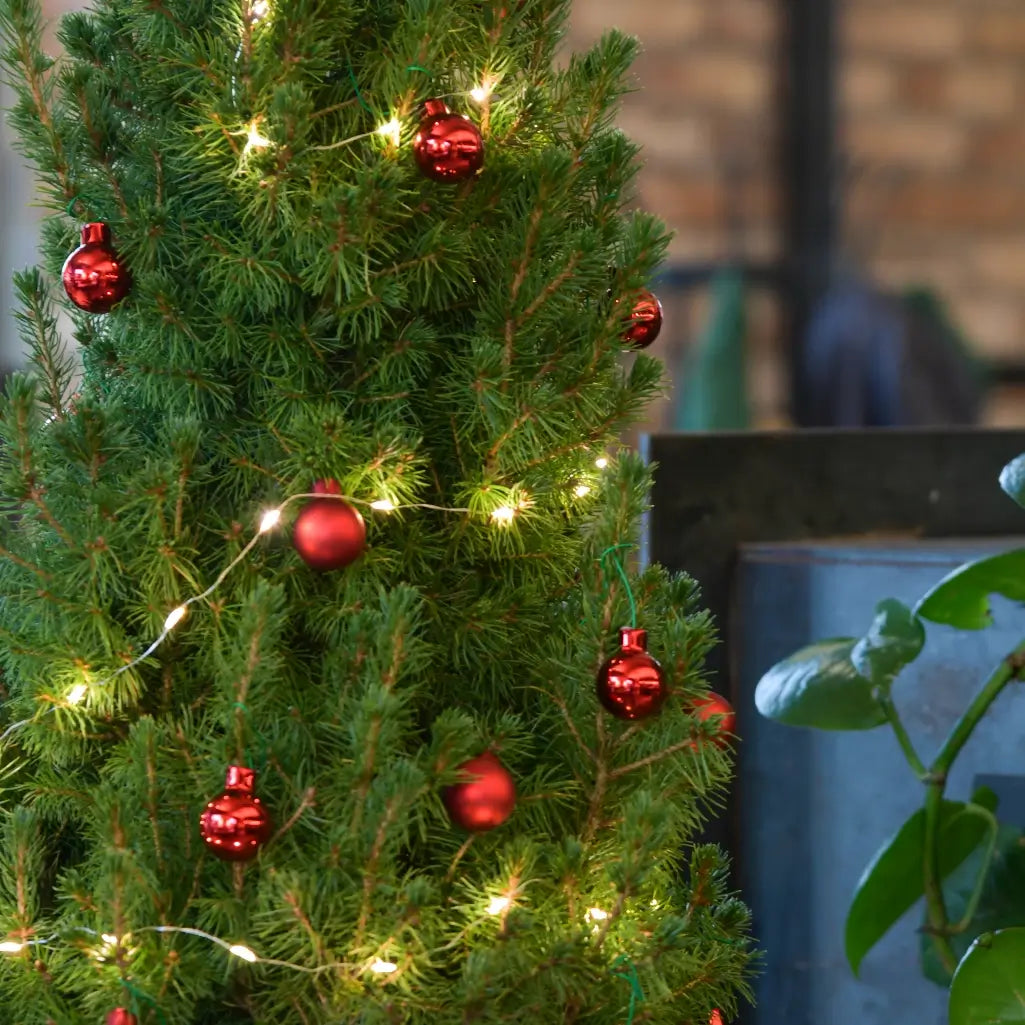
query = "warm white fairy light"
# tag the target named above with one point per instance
(242, 951)
(601, 462)
(483, 91)
(11, 947)
(383, 505)
(597, 915)
(503, 515)
(260, 9)
(174, 617)
(270, 519)
(498, 905)
(109, 937)
(384, 967)
(391, 130)
(581, 490)
(255, 139)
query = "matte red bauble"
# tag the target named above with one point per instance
(448, 147)
(121, 1016)
(236, 825)
(329, 533)
(94, 276)
(645, 321)
(630, 683)
(712, 705)
(486, 799)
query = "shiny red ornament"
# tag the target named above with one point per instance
(329, 533)
(236, 825)
(715, 1018)
(94, 276)
(448, 147)
(486, 799)
(630, 683)
(645, 321)
(121, 1016)
(712, 705)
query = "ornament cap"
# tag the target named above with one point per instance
(434, 107)
(327, 486)
(96, 233)
(239, 780)
(633, 638)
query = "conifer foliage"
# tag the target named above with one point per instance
(306, 305)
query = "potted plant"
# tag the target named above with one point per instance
(956, 854)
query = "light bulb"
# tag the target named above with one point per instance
(601, 462)
(383, 505)
(270, 519)
(392, 130)
(242, 951)
(503, 514)
(597, 915)
(109, 937)
(11, 947)
(384, 967)
(581, 490)
(77, 693)
(174, 617)
(256, 139)
(498, 905)
(259, 9)
(484, 90)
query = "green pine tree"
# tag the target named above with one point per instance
(307, 305)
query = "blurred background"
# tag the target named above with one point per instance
(846, 181)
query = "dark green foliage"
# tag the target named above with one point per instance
(314, 308)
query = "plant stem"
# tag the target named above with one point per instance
(916, 763)
(1010, 668)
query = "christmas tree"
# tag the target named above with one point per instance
(315, 708)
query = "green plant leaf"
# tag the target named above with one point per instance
(894, 639)
(1002, 904)
(892, 882)
(988, 986)
(961, 598)
(819, 686)
(1012, 479)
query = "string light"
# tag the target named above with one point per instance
(504, 514)
(77, 693)
(581, 490)
(12, 947)
(384, 967)
(255, 139)
(174, 617)
(597, 915)
(601, 462)
(498, 905)
(483, 91)
(383, 505)
(244, 952)
(392, 130)
(270, 519)
(260, 9)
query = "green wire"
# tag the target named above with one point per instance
(626, 581)
(355, 85)
(137, 995)
(71, 202)
(636, 993)
(416, 67)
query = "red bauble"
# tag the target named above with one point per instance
(645, 321)
(236, 825)
(715, 1018)
(329, 533)
(486, 799)
(448, 147)
(630, 683)
(711, 705)
(94, 276)
(121, 1016)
